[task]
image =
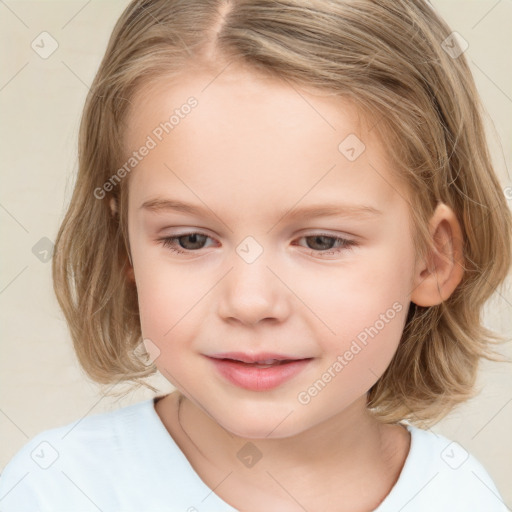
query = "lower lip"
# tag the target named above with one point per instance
(258, 379)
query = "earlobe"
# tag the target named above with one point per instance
(130, 274)
(114, 210)
(442, 270)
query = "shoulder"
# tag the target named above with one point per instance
(60, 461)
(440, 474)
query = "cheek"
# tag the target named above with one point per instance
(365, 310)
(164, 291)
(168, 318)
(166, 299)
(368, 322)
(172, 305)
(351, 298)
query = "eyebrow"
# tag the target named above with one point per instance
(158, 205)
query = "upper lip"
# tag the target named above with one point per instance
(254, 358)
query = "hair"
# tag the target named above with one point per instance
(388, 59)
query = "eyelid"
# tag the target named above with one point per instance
(304, 233)
(347, 243)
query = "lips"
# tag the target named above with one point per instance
(263, 364)
(258, 372)
(260, 357)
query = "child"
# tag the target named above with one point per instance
(292, 205)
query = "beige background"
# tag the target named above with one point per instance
(41, 100)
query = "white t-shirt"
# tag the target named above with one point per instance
(126, 461)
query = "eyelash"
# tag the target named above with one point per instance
(347, 244)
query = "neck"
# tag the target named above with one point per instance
(330, 463)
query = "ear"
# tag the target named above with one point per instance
(130, 274)
(437, 276)
(114, 210)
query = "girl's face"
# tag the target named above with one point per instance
(257, 274)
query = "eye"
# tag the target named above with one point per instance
(325, 244)
(190, 240)
(321, 243)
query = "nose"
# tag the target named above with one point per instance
(252, 292)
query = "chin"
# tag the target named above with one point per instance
(262, 425)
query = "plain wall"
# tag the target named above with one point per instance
(40, 104)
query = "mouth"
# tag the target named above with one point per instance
(268, 363)
(259, 359)
(258, 372)
(265, 364)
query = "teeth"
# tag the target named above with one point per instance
(264, 364)
(267, 363)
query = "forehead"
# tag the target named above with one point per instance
(249, 141)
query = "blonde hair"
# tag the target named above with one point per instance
(389, 59)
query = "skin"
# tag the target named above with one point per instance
(250, 152)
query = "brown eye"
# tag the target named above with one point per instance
(192, 241)
(323, 243)
(188, 241)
